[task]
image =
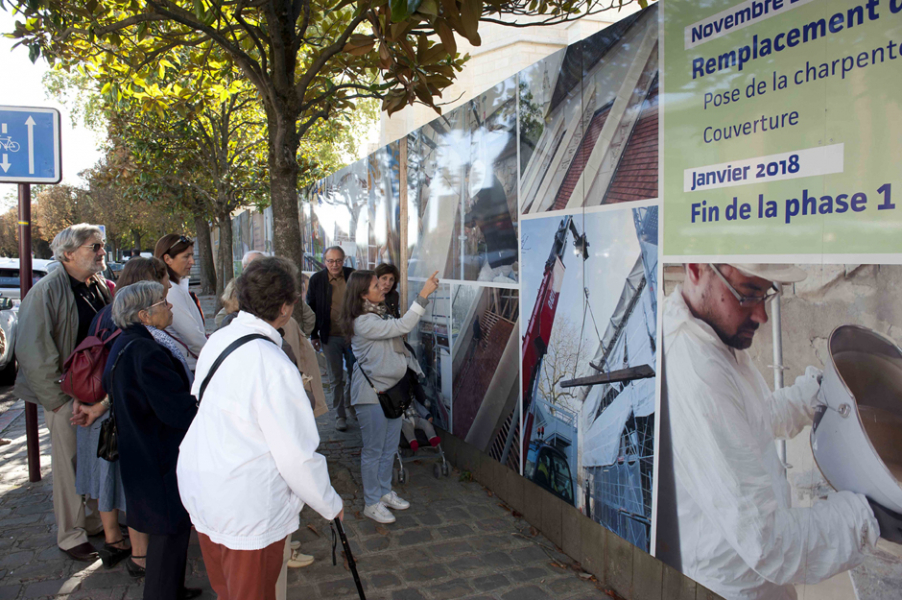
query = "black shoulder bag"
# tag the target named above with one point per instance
(396, 399)
(229, 349)
(108, 444)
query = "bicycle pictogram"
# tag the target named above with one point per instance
(7, 143)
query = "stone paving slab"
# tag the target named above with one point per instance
(456, 541)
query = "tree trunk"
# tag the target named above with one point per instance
(283, 180)
(137, 235)
(205, 249)
(226, 269)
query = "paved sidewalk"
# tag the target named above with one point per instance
(456, 541)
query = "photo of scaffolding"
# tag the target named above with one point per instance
(462, 195)
(431, 343)
(588, 361)
(485, 324)
(588, 119)
(827, 340)
(358, 209)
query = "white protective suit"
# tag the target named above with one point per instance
(739, 536)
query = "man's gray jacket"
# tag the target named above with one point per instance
(45, 337)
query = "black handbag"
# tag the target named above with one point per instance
(396, 399)
(108, 444)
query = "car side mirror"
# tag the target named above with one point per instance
(6, 303)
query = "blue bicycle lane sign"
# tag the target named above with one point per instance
(30, 149)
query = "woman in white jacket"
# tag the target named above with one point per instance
(248, 464)
(177, 251)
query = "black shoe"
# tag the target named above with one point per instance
(189, 593)
(134, 569)
(83, 552)
(111, 556)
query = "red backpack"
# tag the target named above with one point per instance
(83, 371)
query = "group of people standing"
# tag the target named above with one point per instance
(230, 451)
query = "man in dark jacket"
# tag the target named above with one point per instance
(325, 295)
(54, 318)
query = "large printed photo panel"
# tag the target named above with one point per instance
(781, 462)
(462, 194)
(588, 119)
(588, 362)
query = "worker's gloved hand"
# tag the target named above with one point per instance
(890, 522)
(809, 385)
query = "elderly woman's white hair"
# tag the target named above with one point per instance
(72, 238)
(132, 299)
(250, 256)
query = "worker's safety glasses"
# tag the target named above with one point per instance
(747, 301)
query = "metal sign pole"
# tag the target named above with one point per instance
(25, 279)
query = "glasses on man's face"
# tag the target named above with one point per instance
(182, 240)
(335, 261)
(96, 247)
(747, 301)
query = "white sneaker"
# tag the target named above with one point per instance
(393, 500)
(298, 560)
(379, 513)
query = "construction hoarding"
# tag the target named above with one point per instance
(671, 404)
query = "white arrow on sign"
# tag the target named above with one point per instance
(5, 164)
(30, 124)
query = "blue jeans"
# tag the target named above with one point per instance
(380, 443)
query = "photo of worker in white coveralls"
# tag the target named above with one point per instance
(748, 525)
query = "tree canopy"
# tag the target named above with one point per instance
(307, 60)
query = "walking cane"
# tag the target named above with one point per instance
(347, 547)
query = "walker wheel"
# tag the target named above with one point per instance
(403, 476)
(446, 469)
(436, 471)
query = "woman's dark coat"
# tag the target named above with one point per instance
(153, 407)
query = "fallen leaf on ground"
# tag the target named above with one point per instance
(313, 529)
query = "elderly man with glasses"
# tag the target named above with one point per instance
(54, 318)
(325, 295)
(738, 533)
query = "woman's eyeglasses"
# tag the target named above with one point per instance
(154, 305)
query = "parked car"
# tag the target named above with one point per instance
(9, 275)
(10, 295)
(9, 318)
(112, 270)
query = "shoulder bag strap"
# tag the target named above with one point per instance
(231, 348)
(357, 362)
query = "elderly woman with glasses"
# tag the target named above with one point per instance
(177, 251)
(95, 477)
(149, 388)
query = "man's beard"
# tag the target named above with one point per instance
(733, 341)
